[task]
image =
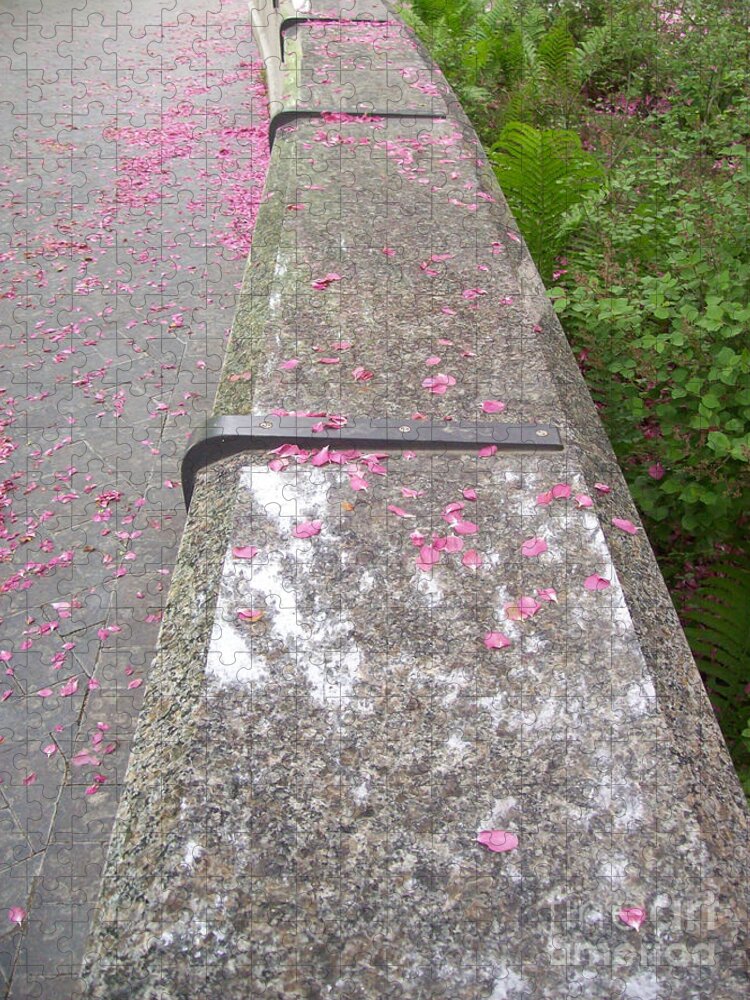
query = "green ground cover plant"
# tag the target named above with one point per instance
(619, 131)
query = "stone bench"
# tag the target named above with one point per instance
(441, 632)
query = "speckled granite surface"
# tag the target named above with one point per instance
(307, 787)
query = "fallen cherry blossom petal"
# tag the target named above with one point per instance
(487, 451)
(544, 498)
(472, 559)
(249, 614)
(398, 511)
(432, 360)
(307, 529)
(321, 283)
(50, 749)
(465, 528)
(524, 607)
(533, 547)
(69, 688)
(244, 551)
(583, 501)
(357, 483)
(45, 692)
(493, 406)
(547, 594)
(16, 915)
(602, 487)
(496, 640)
(624, 525)
(633, 916)
(469, 493)
(498, 840)
(453, 544)
(288, 365)
(596, 582)
(561, 491)
(29, 779)
(361, 374)
(411, 494)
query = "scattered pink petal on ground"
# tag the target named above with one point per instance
(250, 614)
(361, 374)
(411, 494)
(432, 360)
(69, 688)
(50, 749)
(16, 915)
(498, 840)
(487, 451)
(453, 544)
(602, 487)
(633, 916)
(358, 484)
(399, 511)
(544, 498)
(307, 529)
(561, 491)
(525, 607)
(596, 582)
(329, 361)
(493, 406)
(583, 501)
(547, 594)
(30, 779)
(45, 692)
(496, 640)
(469, 493)
(465, 528)
(417, 538)
(83, 758)
(472, 559)
(533, 547)
(472, 293)
(624, 525)
(288, 365)
(244, 551)
(438, 384)
(321, 283)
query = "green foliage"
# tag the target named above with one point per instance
(619, 131)
(543, 174)
(718, 629)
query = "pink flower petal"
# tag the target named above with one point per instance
(624, 525)
(496, 640)
(288, 365)
(487, 451)
(244, 551)
(472, 559)
(361, 374)
(633, 916)
(45, 693)
(417, 538)
(469, 493)
(30, 779)
(498, 840)
(83, 758)
(582, 501)
(561, 491)
(656, 471)
(493, 406)
(602, 487)
(249, 614)
(432, 360)
(321, 283)
(307, 529)
(544, 498)
(525, 607)
(596, 582)
(465, 528)
(547, 594)
(398, 511)
(357, 483)
(411, 494)
(429, 555)
(69, 688)
(453, 544)
(16, 915)
(533, 547)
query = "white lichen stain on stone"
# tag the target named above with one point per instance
(643, 987)
(361, 793)
(428, 587)
(366, 582)
(458, 746)
(193, 852)
(509, 985)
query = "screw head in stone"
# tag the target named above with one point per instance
(404, 428)
(542, 434)
(266, 423)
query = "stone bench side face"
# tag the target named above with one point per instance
(371, 655)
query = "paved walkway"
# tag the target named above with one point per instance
(133, 159)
